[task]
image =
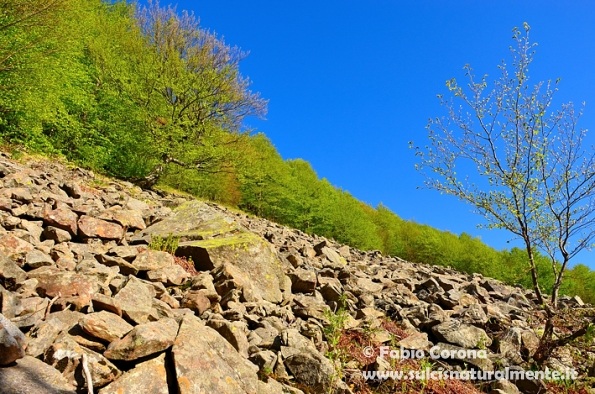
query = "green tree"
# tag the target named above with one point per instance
(580, 280)
(522, 166)
(388, 226)
(25, 27)
(32, 44)
(265, 180)
(193, 89)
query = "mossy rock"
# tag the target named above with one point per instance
(194, 220)
(212, 239)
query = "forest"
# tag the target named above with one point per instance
(148, 95)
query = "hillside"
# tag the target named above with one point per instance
(110, 280)
(90, 293)
(90, 81)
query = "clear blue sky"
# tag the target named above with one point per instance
(350, 83)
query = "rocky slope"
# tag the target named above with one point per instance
(104, 284)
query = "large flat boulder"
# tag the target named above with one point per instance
(213, 239)
(149, 377)
(31, 375)
(206, 363)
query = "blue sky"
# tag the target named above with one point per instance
(350, 83)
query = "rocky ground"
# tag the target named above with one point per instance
(103, 284)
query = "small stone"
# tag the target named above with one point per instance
(417, 341)
(196, 301)
(464, 335)
(14, 247)
(69, 286)
(10, 272)
(127, 218)
(148, 377)
(127, 253)
(101, 302)
(312, 369)
(62, 218)
(57, 235)
(264, 359)
(233, 332)
(30, 375)
(174, 275)
(136, 300)
(303, 281)
(105, 325)
(35, 259)
(124, 266)
(66, 355)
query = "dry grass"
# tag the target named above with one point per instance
(188, 265)
(351, 345)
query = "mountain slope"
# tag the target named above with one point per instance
(92, 294)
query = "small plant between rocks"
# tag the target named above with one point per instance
(167, 244)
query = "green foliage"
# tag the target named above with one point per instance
(126, 90)
(333, 332)
(168, 244)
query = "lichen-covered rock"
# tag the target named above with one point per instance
(136, 300)
(464, 335)
(219, 369)
(149, 377)
(196, 224)
(144, 340)
(91, 227)
(31, 375)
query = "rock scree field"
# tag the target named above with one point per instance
(108, 288)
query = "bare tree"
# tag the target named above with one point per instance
(522, 165)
